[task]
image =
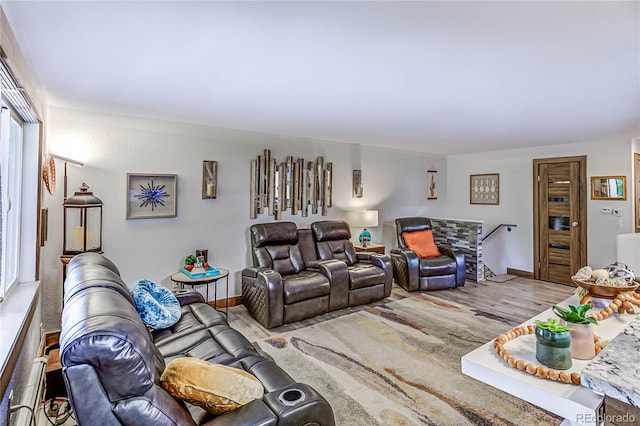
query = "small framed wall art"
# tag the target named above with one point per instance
(484, 189)
(609, 188)
(44, 226)
(432, 182)
(151, 196)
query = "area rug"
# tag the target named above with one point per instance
(399, 364)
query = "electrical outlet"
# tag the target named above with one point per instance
(606, 210)
(617, 212)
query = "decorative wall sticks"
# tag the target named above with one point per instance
(293, 185)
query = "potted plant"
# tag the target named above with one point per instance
(582, 329)
(553, 344)
(189, 262)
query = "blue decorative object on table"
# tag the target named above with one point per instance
(200, 272)
(365, 234)
(157, 306)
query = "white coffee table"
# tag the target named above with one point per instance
(576, 404)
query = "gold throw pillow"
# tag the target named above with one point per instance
(214, 387)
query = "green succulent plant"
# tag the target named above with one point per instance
(575, 314)
(552, 325)
(190, 260)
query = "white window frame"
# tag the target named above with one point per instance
(11, 140)
(19, 200)
(20, 304)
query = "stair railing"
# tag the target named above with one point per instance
(502, 225)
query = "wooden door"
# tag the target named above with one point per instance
(560, 218)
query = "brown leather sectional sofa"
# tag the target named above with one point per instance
(301, 273)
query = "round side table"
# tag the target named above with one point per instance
(182, 280)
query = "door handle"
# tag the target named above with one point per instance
(574, 224)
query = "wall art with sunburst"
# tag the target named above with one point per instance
(151, 196)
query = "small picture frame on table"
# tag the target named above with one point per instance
(151, 196)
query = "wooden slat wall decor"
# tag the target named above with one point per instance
(293, 185)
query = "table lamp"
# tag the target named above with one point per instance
(364, 219)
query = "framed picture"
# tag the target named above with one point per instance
(484, 189)
(151, 196)
(44, 226)
(609, 188)
(432, 182)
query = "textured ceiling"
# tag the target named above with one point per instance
(434, 77)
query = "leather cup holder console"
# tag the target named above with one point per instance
(291, 397)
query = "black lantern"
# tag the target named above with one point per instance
(82, 223)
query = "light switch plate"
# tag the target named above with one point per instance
(606, 210)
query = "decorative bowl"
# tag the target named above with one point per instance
(604, 291)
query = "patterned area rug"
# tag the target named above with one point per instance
(399, 364)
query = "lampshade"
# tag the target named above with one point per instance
(364, 218)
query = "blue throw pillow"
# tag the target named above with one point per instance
(157, 306)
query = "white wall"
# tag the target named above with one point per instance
(394, 183)
(515, 249)
(111, 146)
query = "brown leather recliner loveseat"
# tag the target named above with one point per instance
(299, 273)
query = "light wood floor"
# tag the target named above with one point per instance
(518, 299)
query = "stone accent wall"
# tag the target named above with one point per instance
(465, 237)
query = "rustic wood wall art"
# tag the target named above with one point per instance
(293, 185)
